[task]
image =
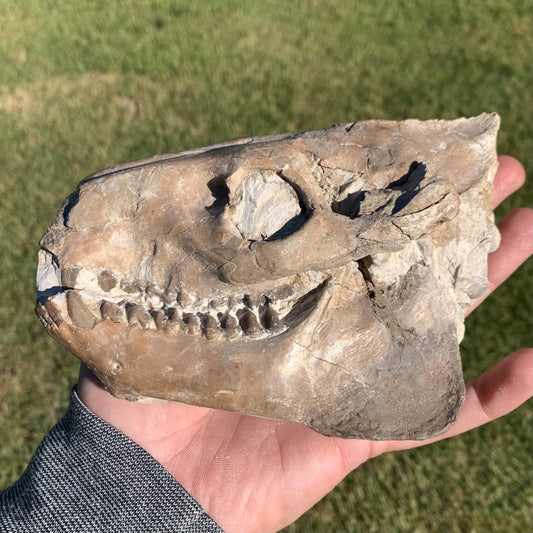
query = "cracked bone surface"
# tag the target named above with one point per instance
(320, 278)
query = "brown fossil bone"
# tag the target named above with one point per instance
(320, 278)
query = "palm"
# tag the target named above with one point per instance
(257, 474)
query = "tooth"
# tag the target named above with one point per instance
(112, 311)
(69, 275)
(137, 315)
(128, 286)
(79, 313)
(106, 280)
(168, 320)
(209, 326)
(249, 324)
(174, 317)
(269, 318)
(160, 320)
(281, 293)
(192, 324)
(230, 325)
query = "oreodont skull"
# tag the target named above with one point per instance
(320, 278)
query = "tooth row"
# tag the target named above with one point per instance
(154, 297)
(254, 322)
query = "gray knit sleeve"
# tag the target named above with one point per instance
(88, 477)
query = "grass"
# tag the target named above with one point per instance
(87, 85)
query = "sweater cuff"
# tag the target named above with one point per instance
(86, 476)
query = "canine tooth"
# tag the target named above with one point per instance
(249, 323)
(112, 311)
(79, 313)
(137, 315)
(106, 280)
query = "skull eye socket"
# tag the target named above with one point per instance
(264, 206)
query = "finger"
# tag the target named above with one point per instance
(498, 391)
(509, 177)
(516, 230)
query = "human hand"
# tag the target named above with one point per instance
(253, 474)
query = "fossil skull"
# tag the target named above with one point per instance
(320, 278)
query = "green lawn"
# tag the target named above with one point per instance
(85, 85)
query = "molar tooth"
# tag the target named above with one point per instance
(106, 280)
(79, 313)
(168, 320)
(160, 320)
(137, 315)
(229, 324)
(173, 316)
(269, 318)
(280, 293)
(192, 324)
(209, 325)
(111, 311)
(249, 323)
(128, 286)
